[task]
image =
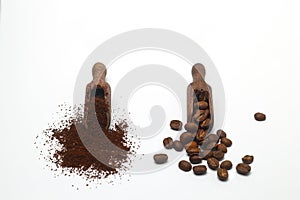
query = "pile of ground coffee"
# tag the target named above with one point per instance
(93, 152)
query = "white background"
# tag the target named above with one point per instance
(254, 45)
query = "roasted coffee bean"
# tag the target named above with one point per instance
(195, 159)
(222, 147)
(205, 124)
(247, 159)
(177, 145)
(222, 174)
(199, 169)
(205, 154)
(176, 125)
(213, 163)
(185, 166)
(213, 138)
(191, 127)
(203, 116)
(186, 137)
(227, 142)
(219, 155)
(168, 143)
(226, 164)
(193, 151)
(221, 133)
(201, 105)
(191, 144)
(160, 158)
(259, 116)
(243, 168)
(201, 134)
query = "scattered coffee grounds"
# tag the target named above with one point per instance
(160, 158)
(259, 116)
(213, 163)
(199, 169)
(222, 174)
(185, 166)
(168, 143)
(226, 164)
(243, 168)
(176, 125)
(248, 159)
(92, 153)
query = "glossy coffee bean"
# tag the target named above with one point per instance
(222, 174)
(212, 163)
(219, 155)
(185, 166)
(259, 116)
(247, 159)
(199, 169)
(195, 159)
(243, 168)
(168, 143)
(221, 133)
(176, 125)
(226, 164)
(227, 142)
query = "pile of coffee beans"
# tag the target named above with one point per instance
(199, 146)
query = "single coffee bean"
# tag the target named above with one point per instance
(212, 163)
(186, 137)
(213, 138)
(168, 143)
(201, 105)
(191, 144)
(191, 127)
(160, 158)
(205, 124)
(193, 151)
(185, 166)
(227, 142)
(243, 168)
(177, 145)
(222, 174)
(221, 133)
(203, 116)
(259, 116)
(201, 134)
(226, 164)
(195, 159)
(222, 147)
(176, 125)
(205, 154)
(247, 159)
(219, 155)
(199, 169)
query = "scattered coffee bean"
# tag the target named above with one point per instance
(176, 125)
(195, 159)
(186, 137)
(191, 127)
(191, 144)
(259, 116)
(193, 151)
(160, 158)
(247, 159)
(199, 169)
(177, 145)
(212, 163)
(185, 166)
(201, 105)
(200, 136)
(226, 164)
(168, 143)
(222, 147)
(219, 155)
(222, 174)
(227, 142)
(221, 133)
(243, 168)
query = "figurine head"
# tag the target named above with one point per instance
(198, 71)
(99, 71)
